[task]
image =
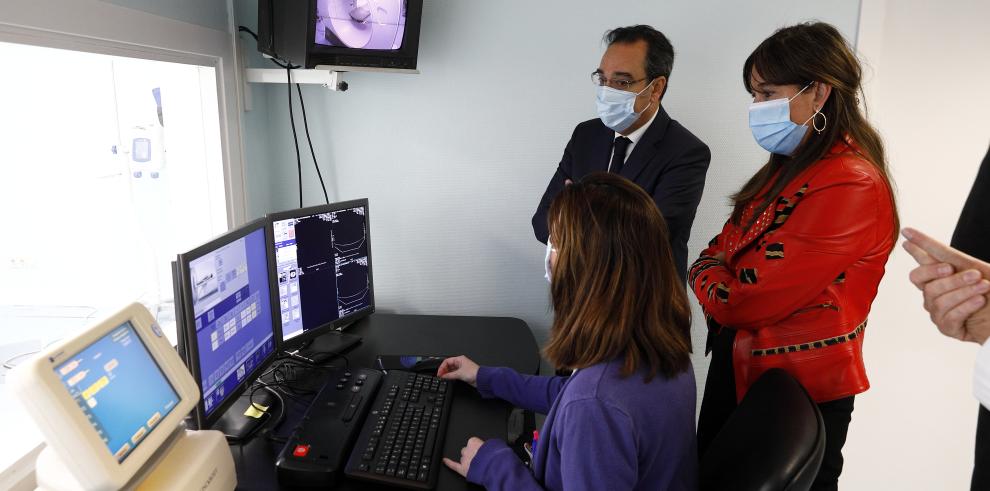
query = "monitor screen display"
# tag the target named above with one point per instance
(120, 388)
(361, 24)
(232, 308)
(322, 265)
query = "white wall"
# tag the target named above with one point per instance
(914, 429)
(455, 159)
(206, 13)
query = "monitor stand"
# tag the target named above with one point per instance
(239, 422)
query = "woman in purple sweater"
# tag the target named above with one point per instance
(625, 418)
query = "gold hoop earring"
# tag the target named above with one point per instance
(814, 121)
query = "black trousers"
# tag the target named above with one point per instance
(719, 401)
(981, 464)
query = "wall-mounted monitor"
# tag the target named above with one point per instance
(341, 34)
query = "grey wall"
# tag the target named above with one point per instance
(454, 160)
(206, 13)
(259, 131)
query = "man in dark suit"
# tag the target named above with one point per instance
(635, 138)
(972, 236)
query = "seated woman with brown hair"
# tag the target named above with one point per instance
(625, 418)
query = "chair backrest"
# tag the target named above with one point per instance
(774, 440)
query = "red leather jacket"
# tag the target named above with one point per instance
(797, 286)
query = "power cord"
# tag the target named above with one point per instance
(281, 415)
(295, 138)
(302, 105)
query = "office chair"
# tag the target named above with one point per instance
(774, 440)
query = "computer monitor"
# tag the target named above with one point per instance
(376, 34)
(227, 320)
(107, 399)
(322, 266)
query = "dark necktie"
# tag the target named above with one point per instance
(619, 147)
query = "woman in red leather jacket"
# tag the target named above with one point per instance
(789, 281)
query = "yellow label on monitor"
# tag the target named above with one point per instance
(255, 410)
(96, 387)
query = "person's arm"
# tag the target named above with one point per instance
(677, 196)
(525, 391)
(597, 451)
(561, 176)
(710, 257)
(829, 229)
(496, 467)
(530, 392)
(956, 302)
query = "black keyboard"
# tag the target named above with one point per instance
(401, 443)
(314, 454)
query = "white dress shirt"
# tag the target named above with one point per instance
(981, 375)
(634, 137)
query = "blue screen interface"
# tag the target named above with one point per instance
(231, 302)
(120, 388)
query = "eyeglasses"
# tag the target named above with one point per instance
(599, 79)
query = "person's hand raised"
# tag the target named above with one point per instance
(954, 286)
(459, 368)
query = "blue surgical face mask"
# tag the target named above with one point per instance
(547, 261)
(616, 107)
(772, 126)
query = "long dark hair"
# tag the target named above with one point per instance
(614, 289)
(799, 55)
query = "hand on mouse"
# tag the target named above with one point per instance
(459, 368)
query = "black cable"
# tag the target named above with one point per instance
(275, 60)
(250, 434)
(295, 138)
(284, 65)
(302, 104)
(292, 122)
(249, 31)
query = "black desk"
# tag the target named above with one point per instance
(495, 341)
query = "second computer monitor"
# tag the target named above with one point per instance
(227, 316)
(322, 266)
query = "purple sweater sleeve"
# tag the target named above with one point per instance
(529, 392)
(496, 467)
(597, 446)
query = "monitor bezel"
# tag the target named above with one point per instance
(42, 392)
(320, 54)
(334, 325)
(188, 323)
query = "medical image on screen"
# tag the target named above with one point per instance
(322, 263)
(120, 388)
(361, 24)
(234, 331)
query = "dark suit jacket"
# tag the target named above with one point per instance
(668, 162)
(972, 236)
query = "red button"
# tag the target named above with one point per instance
(301, 450)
